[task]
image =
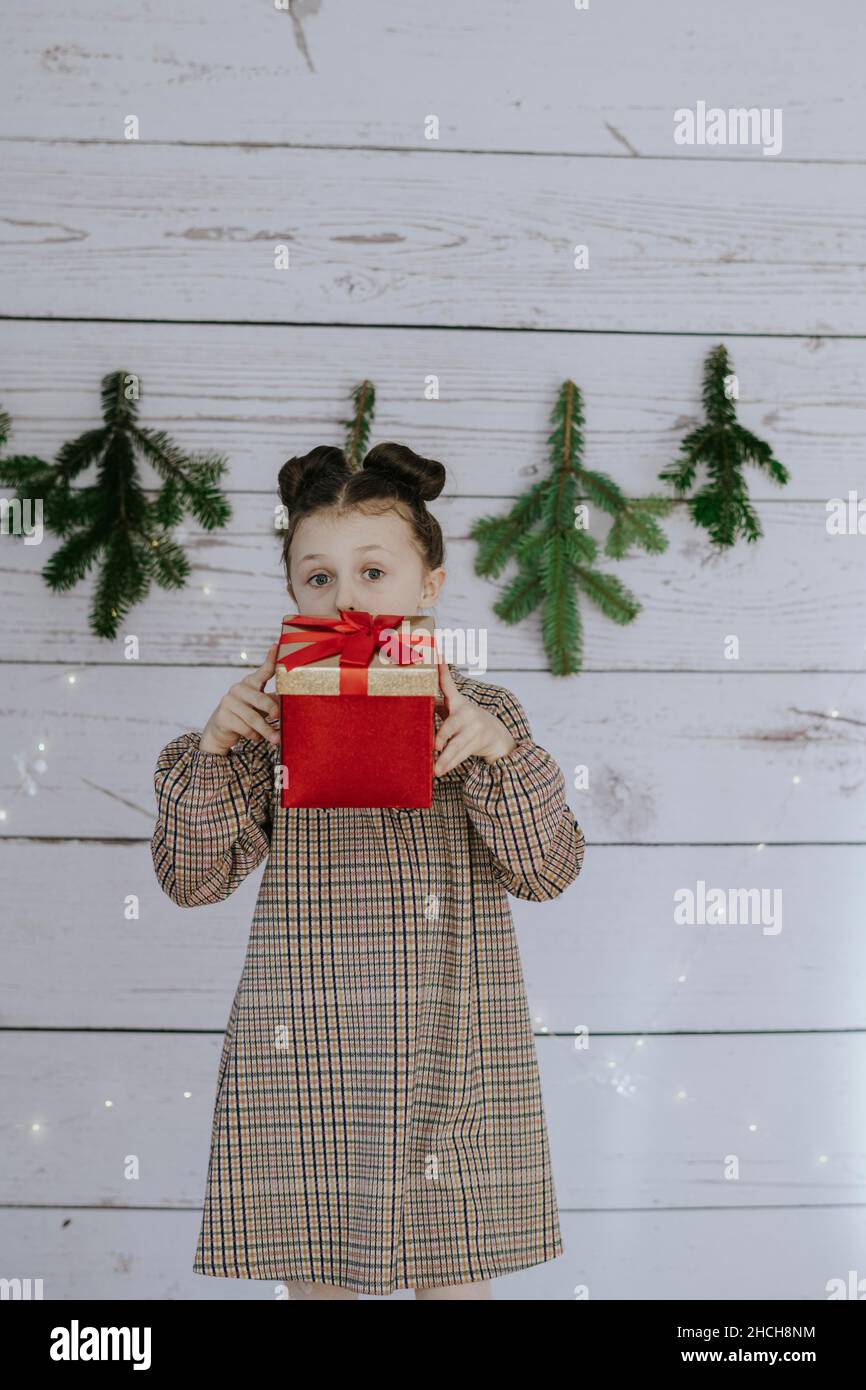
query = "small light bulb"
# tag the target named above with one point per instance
(71, 679)
(795, 779)
(34, 1127)
(109, 1102)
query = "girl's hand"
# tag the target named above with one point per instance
(244, 711)
(468, 731)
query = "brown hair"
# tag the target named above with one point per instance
(391, 476)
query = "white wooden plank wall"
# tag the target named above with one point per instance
(455, 258)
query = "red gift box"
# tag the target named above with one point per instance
(357, 695)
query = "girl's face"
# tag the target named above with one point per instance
(359, 560)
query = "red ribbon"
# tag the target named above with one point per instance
(354, 636)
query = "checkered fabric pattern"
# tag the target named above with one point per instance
(378, 1120)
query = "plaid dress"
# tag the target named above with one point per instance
(378, 1120)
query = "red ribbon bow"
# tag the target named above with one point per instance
(354, 636)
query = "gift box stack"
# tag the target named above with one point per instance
(357, 695)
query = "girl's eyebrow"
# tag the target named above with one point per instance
(361, 549)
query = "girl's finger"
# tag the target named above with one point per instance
(259, 699)
(450, 727)
(458, 749)
(448, 686)
(252, 719)
(259, 678)
(231, 723)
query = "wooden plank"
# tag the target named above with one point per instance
(676, 758)
(631, 1125)
(786, 615)
(259, 394)
(181, 233)
(601, 81)
(607, 953)
(793, 1253)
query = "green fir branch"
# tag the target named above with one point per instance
(499, 537)
(561, 628)
(722, 506)
(520, 597)
(112, 522)
(358, 427)
(636, 525)
(555, 558)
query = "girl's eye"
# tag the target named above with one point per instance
(321, 575)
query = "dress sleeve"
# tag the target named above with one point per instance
(518, 807)
(214, 815)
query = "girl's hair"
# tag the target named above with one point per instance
(391, 476)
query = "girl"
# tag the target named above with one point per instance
(378, 1121)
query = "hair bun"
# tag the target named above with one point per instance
(405, 470)
(325, 463)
